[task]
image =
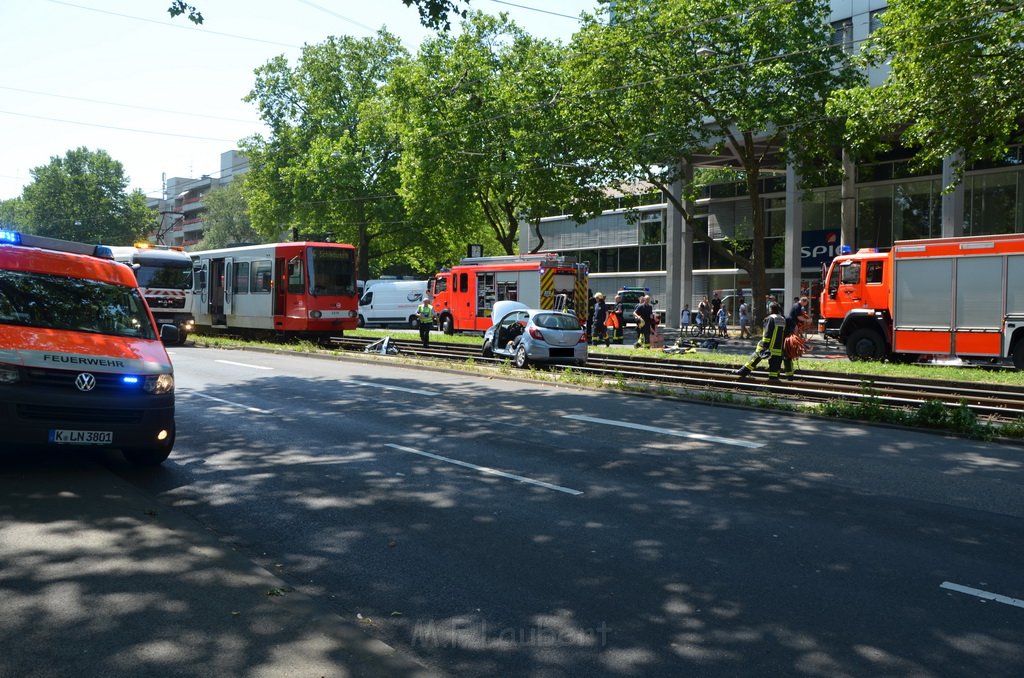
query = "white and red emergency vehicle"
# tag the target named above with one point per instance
(937, 297)
(82, 364)
(464, 295)
(165, 278)
(295, 289)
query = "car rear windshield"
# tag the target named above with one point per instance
(61, 303)
(556, 321)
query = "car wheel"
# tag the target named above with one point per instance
(360, 322)
(414, 323)
(521, 361)
(488, 351)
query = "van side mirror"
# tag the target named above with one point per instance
(169, 334)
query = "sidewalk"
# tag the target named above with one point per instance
(98, 579)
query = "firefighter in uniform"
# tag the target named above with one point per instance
(771, 346)
(425, 319)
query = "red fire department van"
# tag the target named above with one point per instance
(464, 295)
(81, 362)
(937, 297)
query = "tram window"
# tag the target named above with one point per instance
(873, 272)
(295, 276)
(242, 277)
(262, 277)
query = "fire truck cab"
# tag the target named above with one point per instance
(82, 365)
(959, 297)
(464, 295)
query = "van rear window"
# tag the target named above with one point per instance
(75, 304)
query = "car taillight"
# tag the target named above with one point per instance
(583, 338)
(535, 333)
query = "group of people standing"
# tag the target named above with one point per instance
(606, 323)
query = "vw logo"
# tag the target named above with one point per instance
(85, 382)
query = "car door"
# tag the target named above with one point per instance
(509, 327)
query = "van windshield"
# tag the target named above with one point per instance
(75, 304)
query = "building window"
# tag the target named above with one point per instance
(651, 231)
(842, 35)
(992, 206)
(876, 19)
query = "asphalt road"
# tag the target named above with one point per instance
(493, 527)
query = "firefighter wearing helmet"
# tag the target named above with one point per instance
(771, 346)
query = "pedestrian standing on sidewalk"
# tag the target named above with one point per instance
(744, 313)
(425, 320)
(723, 322)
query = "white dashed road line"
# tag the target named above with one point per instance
(994, 597)
(484, 469)
(667, 431)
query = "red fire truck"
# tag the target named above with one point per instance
(938, 297)
(464, 295)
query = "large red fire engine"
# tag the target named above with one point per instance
(464, 295)
(937, 297)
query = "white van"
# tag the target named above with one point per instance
(391, 302)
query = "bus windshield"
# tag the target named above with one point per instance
(75, 304)
(332, 271)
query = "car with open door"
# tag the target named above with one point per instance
(533, 335)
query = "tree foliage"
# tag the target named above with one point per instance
(226, 219)
(12, 214)
(83, 196)
(953, 86)
(433, 13)
(661, 83)
(329, 166)
(482, 141)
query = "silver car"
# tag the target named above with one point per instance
(534, 335)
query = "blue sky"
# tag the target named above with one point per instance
(163, 96)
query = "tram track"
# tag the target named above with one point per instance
(994, 402)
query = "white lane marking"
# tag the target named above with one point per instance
(666, 431)
(1006, 600)
(254, 367)
(484, 469)
(228, 402)
(388, 387)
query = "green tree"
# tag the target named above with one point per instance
(740, 84)
(482, 140)
(12, 214)
(953, 87)
(328, 169)
(433, 13)
(83, 196)
(226, 219)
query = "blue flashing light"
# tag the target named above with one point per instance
(845, 249)
(130, 380)
(10, 237)
(103, 252)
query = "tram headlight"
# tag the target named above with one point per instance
(315, 315)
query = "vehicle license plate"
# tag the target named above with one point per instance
(66, 437)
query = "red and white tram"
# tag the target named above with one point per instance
(301, 289)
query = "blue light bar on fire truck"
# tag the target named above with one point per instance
(8, 237)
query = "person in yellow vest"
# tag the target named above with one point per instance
(425, 318)
(771, 346)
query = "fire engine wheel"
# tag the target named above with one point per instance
(448, 325)
(1018, 354)
(865, 344)
(521, 361)
(182, 336)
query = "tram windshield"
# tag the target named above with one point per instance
(332, 271)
